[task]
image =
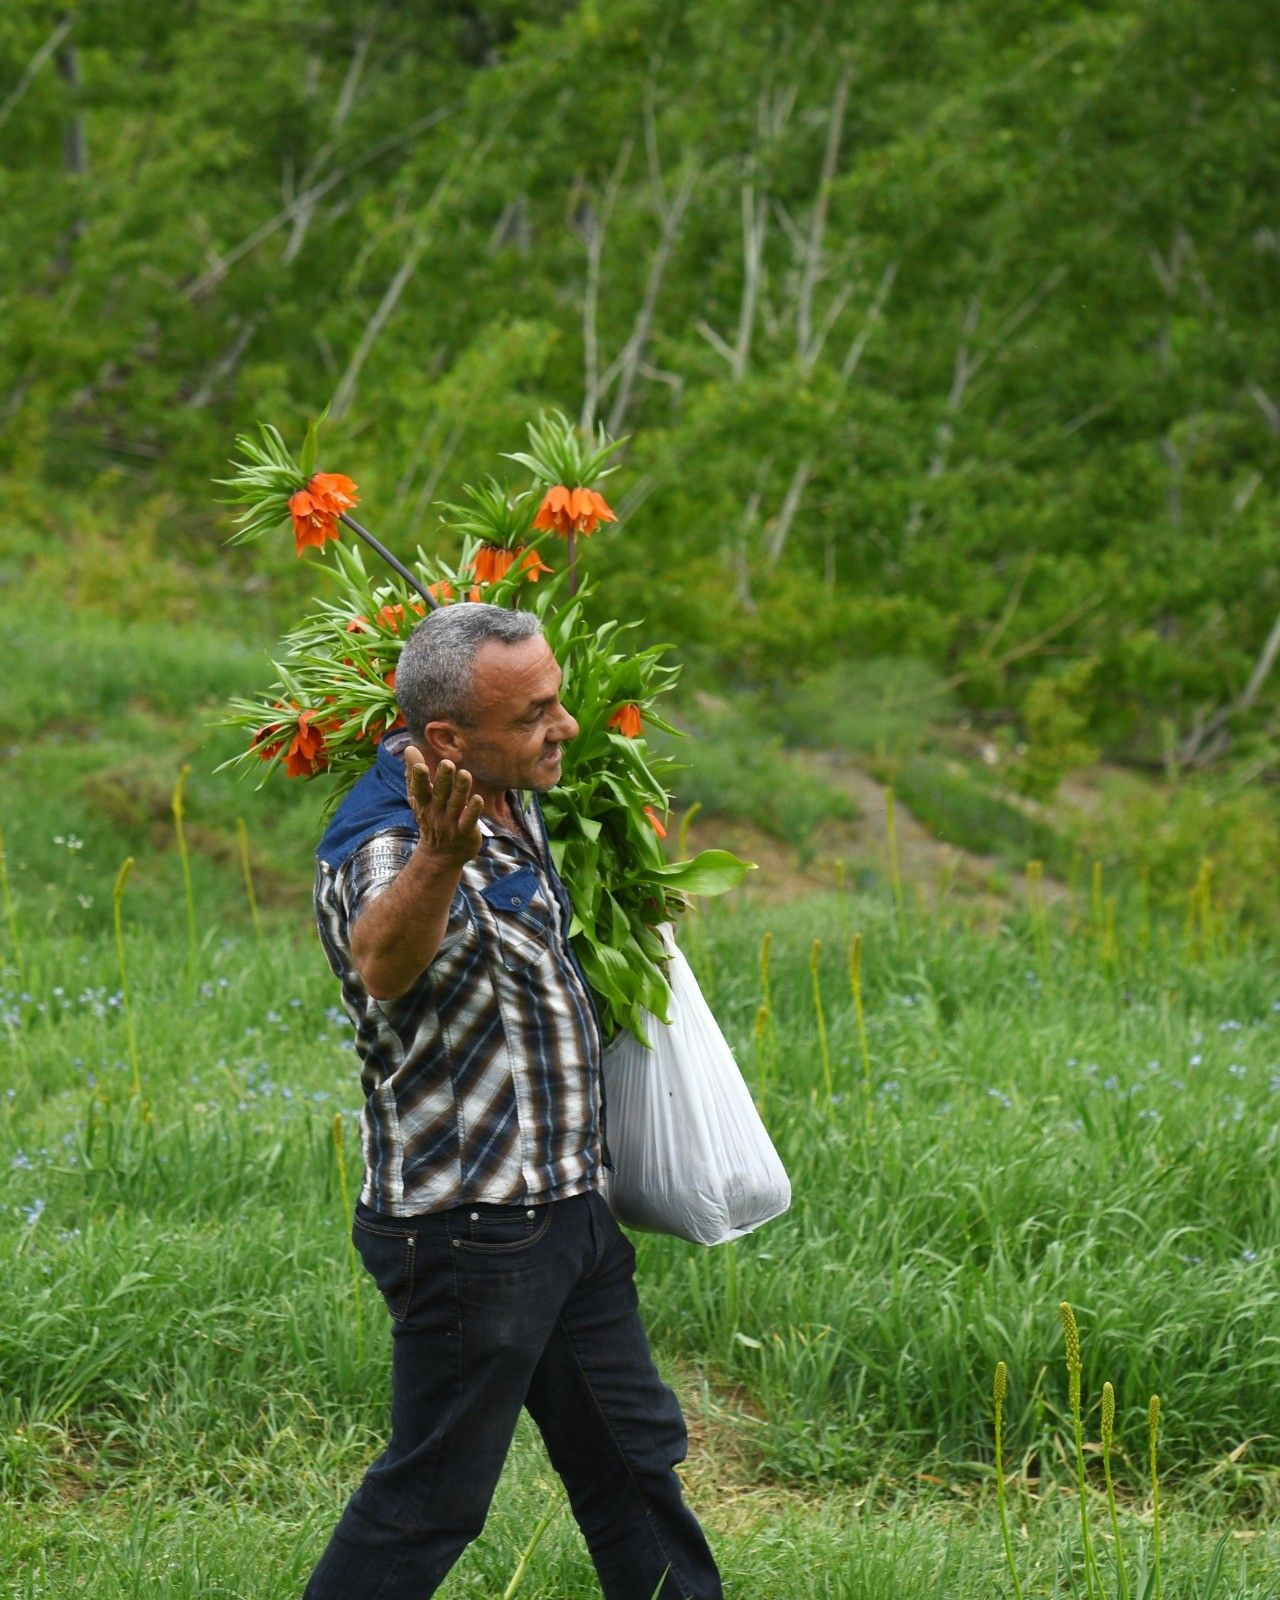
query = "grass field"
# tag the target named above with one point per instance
(191, 1379)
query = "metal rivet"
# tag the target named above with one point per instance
(515, 900)
(529, 1214)
(454, 1242)
(475, 1216)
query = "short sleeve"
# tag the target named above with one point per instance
(377, 863)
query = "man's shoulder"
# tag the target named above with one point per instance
(376, 805)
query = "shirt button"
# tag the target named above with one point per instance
(529, 1214)
(475, 1216)
(515, 900)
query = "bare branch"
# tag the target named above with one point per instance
(213, 275)
(875, 314)
(592, 229)
(34, 67)
(755, 221)
(1209, 736)
(1269, 409)
(633, 351)
(226, 364)
(812, 258)
(418, 242)
(1030, 646)
(432, 480)
(787, 512)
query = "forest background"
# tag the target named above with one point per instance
(944, 336)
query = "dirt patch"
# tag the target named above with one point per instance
(857, 853)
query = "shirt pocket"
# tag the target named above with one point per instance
(518, 904)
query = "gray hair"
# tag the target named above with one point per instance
(437, 665)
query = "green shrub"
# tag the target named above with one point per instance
(886, 706)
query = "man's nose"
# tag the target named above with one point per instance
(568, 728)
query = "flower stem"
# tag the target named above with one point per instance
(340, 1161)
(526, 1555)
(117, 894)
(377, 546)
(571, 551)
(1000, 1388)
(242, 834)
(178, 805)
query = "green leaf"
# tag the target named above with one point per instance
(710, 872)
(310, 445)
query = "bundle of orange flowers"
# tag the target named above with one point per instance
(334, 699)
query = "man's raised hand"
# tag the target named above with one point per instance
(448, 813)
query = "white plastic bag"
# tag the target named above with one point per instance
(690, 1154)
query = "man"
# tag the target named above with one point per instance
(481, 1217)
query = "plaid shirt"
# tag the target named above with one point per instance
(482, 1082)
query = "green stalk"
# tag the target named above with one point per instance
(1036, 909)
(761, 1038)
(184, 855)
(11, 913)
(1108, 1436)
(1153, 1432)
(999, 1388)
(895, 872)
(340, 1158)
(766, 1005)
(1071, 1333)
(117, 895)
(377, 546)
(855, 979)
(242, 835)
(526, 1555)
(828, 1084)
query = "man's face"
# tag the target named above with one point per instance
(517, 722)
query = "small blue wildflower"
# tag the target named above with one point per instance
(33, 1212)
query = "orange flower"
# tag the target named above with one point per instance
(475, 592)
(533, 566)
(626, 719)
(655, 821)
(441, 593)
(565, 511)
(268, 741)
(492, 562)
(305, 755)
(316, 508)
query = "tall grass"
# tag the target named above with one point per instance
(187, 1381)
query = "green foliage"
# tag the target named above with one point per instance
(886, 707)
(1165, 834)
(966, 365)
(738, 770)
(1055, 712)
(957, 805)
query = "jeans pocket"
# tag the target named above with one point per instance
(500, 1229)
(388, 1255)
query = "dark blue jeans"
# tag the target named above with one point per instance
(494, 1308)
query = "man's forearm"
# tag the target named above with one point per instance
(395, 938)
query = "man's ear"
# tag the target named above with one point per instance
(442, 740)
